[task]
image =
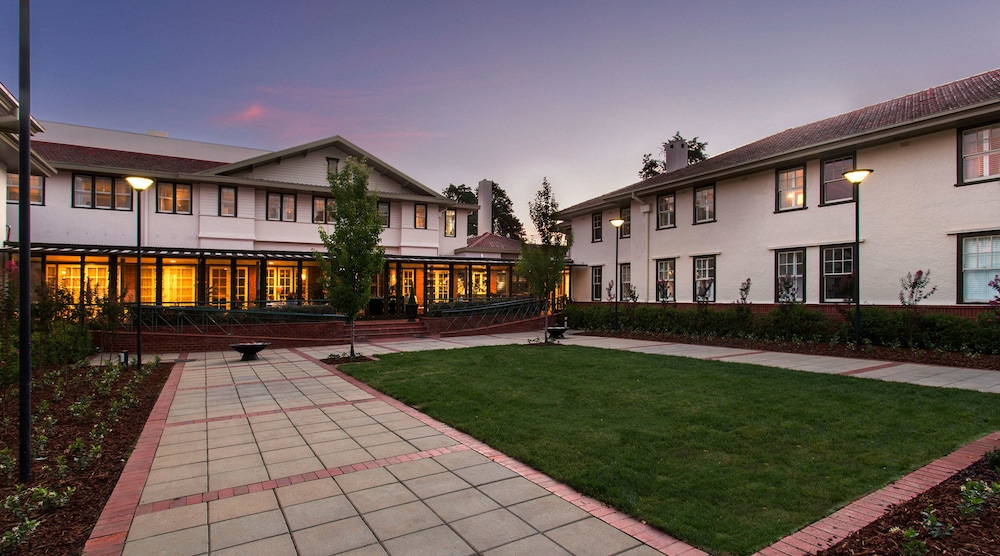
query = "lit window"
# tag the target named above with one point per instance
(281, 207)
(981, 153)
(173, 198)
(790, 276)
(838, 273)
(101, 192)
(420, 216)
(37, 188)
(836, 188)
(227, 201)
(665, 217)
(450, 220)
(323, 210)
(791, 189)
(980, 264)
(704, 204)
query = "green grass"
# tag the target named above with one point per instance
(728, 457)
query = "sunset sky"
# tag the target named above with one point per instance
(454, 92)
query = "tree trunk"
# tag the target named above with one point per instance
(545, 312)
(351, 319)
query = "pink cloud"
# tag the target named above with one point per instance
(252, 113)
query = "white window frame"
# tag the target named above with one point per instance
(980, 264)
(596, 282)
(625, 230)
(666, 280)
(450, 223)
(704, 277)
(835, 265)
(227, 208)
(790, 187)
(278, 209)
(833, 179)
(791, 263)
(704, 204)
(666, 213)
(980, 148)
(596, 227)
(36, 188)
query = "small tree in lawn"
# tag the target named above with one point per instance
(914, 290)
(542, 266)
(354, 253)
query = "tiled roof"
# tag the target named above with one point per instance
(58, 153)
(492, 243)
(964, 93)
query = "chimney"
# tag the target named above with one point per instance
(677, 155)
(485, 196)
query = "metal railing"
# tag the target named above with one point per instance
(211, 320)
(482, 313)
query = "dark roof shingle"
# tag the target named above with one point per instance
(59, 153)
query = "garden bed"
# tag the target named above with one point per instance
(77, 444)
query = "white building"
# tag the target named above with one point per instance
(781, 207)
(228, 226)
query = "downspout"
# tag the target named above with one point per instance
(646, 259)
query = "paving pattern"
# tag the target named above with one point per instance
(285, 455)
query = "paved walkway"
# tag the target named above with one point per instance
(286, 455)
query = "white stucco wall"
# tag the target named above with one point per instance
(911, 212)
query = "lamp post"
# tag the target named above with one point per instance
(139, 184)
(856, 177)
(617, 223)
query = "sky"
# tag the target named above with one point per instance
(512, 91)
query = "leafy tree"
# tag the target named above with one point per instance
(542, 265)
(541, 211)
(696, 153)
(354, 253)
(504, 222)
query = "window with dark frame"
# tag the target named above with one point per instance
(101, 192)
(37, 189)
(173, 198)
(704, 278)
(625, 230)
(980, 154)
(665, 213)
(625, 282)
(980, 258)
(790, 189)
(704, 204)
(596, 282)
(790, 276)
(450, 223)
(227, 201)
(323, 210)
(596, 227)
(383, 213)
(281, 207)
(666, 280)
(835, 187)
(837, 277)
(332, 166)
(420, 216)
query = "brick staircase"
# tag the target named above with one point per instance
(381, 329)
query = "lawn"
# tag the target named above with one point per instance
(728, 457)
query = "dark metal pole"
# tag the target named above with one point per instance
(24, 244)
(138, 278)
(857, 265)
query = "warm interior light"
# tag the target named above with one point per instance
(857, 176)
(617, 222)
(139, 183)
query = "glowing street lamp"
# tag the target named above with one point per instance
(139, 184)
(856, 177)
(617, 223)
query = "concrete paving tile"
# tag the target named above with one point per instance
(435, 441)
(233, 451)
(490, 530)
(333, 446)
(434, 485)
(347, 457)
(439, 541)
(317, 512)
(365, 479)
(281, 443)
(173, 489)
(239, 477)
(401, 520)
(461, 504)
(313, 438)
(288, 454)
(393, 449)
(536, 545)
(376, 439)
(370, 550)
(307, 492)
(485, 473)
(280, 545)
(176, 473)
(592, 537)
(333, 538)
(174, 519)
(187, 542)
(294, 467)
(227, 440)
(197, 446)
(417, 468)
(234, 463)
(372, 499)
(245, 529)
(513, 490)
(183, 458)
(243, 505)
(459, 460)
(548, 512)
(415, 432)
